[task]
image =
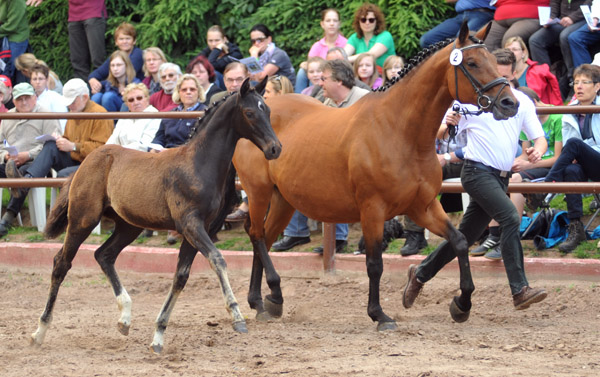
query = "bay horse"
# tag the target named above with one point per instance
(369, 162)
(179, 188)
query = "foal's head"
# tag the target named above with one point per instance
(473, 76)
(256, 123)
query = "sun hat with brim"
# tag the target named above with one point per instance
(23, 89)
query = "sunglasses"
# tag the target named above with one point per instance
(168, 75)
(138, 98)
(371, 20)
(257, 40)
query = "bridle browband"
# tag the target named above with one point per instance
(483, 101)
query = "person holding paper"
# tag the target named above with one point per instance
(587, 36)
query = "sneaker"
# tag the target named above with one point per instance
(576, 235)
(489, 243)
(528, 296)
(413, 287)
(288, 242)
(415, 242)
(494, 254)
(340, 245)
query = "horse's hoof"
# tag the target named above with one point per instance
(275, 310)
(386, 326)
(264, 316)
(156, 348)
(458, 315)
(123, 328)
(240, 327)
(34, 342)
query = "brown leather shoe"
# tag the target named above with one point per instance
(413, 287)
(237, 215)
(528, 296)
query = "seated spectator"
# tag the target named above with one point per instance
(220, 51)
(121, 74)
(533, 75)
(278, 85)
(525, 170)
(330, 23)
(47, 98)
(582, 40)
(370, 35)
(5, 93)
(477, 13)
(136, 133)
(514, 18)
(314, 71)
(21, 134)
(580, 157)
(25, 62)
(153, 59)
(234, 75)
(271, 58)
(168, 73)
(366, 71)
(125, 35)
(391, 67)
(205, 73)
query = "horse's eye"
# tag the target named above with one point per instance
(471, 64)
(249, 113)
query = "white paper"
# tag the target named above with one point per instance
(44, 138)
(12, 150)
(544, 15)
(252, 64)
(587, 14)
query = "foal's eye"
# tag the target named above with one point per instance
(249, 113)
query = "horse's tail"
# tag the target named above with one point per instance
(57, 219)
(228, 203)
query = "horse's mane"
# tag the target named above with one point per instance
(208, 114)
(421, 56)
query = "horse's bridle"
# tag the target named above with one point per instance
(483, 101)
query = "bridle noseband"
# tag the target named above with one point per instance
(483, 101)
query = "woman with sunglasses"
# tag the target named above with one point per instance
(370, 35)
(271, 58)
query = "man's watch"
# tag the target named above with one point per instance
(447, 157)
(74, 147)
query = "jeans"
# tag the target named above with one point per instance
(580, 40)
(301, 81)
(586, 168)
(17, 49)
(488, 200)
(450, 27)
(546, 37)
(298, 227)
(87, 45)
(111, 101)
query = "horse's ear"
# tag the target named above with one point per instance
(260, 87)
(245, 87)
(483, 32)
(463, 34)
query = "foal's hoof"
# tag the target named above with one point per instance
(264, 316)
(156, 348)
(34, 342)
(386, 326)
(458, 315)
(123, 328)
(274, 309)
(240, 327)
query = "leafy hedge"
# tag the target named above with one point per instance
(179, 27)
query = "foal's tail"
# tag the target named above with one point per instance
(228, 203)
(57, 219)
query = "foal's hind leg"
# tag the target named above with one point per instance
(62, 264)
(106, 255)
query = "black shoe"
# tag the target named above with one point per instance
(576, 235)
(4, 228)
(415, 242)
(288, 242)
(146, 233)
(489, 243)
(12, 172)
(340, 245)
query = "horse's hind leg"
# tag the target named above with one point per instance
(106, 255)
(62, 264)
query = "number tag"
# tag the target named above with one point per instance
(456, 57)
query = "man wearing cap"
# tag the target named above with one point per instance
(81, 137)
(19, 144)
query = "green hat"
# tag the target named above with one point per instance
(23, 89)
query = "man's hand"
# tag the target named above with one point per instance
(452, 118)
(533, 155)
(33, 3)
(566, 21)
(20, 159)
(520, 164)
(441, 160)
(64, 145)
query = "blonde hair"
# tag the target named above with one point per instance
(281, 84)
(521, 43)
(26, 62)
(390, 62)
(188, 76)
(131, 87)
(154, 51)
(315, 59)
(129, 70)
(375, 74)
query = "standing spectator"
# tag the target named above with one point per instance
(514, 18)
(476, 12)
(168, 73)
(583, 39)
(533, 75)
(14, 25)
(370, 35)
(391, 67)
(21, 134)
(47, 98)
(125, 35)
(205, 73)
(120, 75)
(153, 59)
(366, 71)
(271, 58)
(220, 51)
(277, 85)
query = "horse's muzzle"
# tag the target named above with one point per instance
(505, 108)
(272, 150)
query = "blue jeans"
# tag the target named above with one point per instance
(580, 40)
(564, 170)
(488, 201)
(450, 27)
(109, 100)
(17, 49)
(298, 227)
(546, 37)
(301, 81)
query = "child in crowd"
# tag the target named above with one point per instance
(314, 71)
(25, 63)
(121, 73)
(391, 67)
(365, 71)
(278, 85)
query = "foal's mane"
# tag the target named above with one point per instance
(419, 58)
(208, 114)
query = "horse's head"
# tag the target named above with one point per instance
(256, 126)
(473, 76)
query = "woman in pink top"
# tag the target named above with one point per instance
(514, 18)
(330, 23)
